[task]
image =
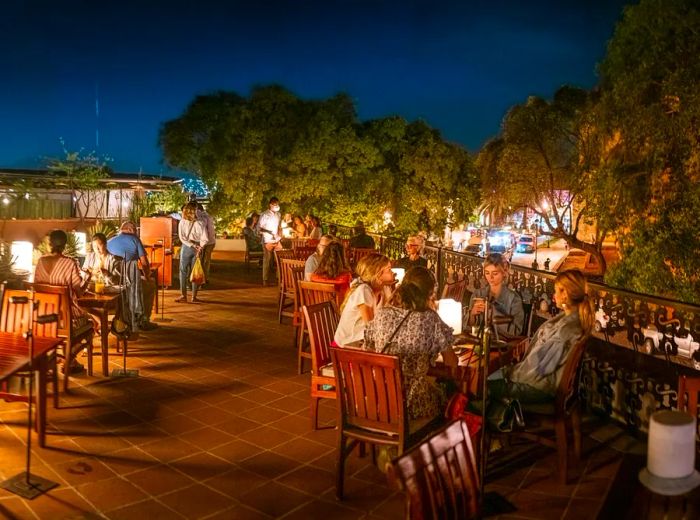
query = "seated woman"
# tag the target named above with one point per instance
(100, 262)
(333, 268)
(410, 328)
(316, 231)
(503, 300)
(298, 227)
(367, 292)
(536, 377)
(252, 239)
(55, 269)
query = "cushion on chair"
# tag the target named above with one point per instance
(327, 371)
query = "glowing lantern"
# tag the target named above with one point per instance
(450, 311)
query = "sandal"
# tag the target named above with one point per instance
(181, 299)
(196, 300)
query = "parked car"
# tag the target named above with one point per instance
(655, 341)
(526, 244)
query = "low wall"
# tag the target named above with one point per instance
(35, 230)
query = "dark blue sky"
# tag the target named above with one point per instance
(459, 65)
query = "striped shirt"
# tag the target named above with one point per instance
(61, 270)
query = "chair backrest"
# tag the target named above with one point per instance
(439, 476)
(48, 293)
(321, 320)
(316, 292)
(691, 386)
(455, 290)
(286, 274)
(304, 252)
(370, 391)
(15, 316)
(358, 253)
(568, 384)
(280, 255)
(299, 242)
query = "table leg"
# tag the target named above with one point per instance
(104, 335)
(41, 400)
(156, 295)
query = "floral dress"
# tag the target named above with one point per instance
(417, 342)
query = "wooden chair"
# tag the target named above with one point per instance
(557, 415)
(14, 318)
(287, 296)
(322, 320)
(282, 254)
(252, 255)
(299, 242)
(439, 476)
(691, 386)
(77, 339)
(357, 253)
(455, 290)
(302, 253)
(297, 318)
(310, 293)
(371, 403)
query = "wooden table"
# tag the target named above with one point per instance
(14, 358)
(101, 305)
(468, 372)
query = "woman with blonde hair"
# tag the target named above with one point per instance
(503, 301)
(536, 377)
(193, 236)
(367, 292)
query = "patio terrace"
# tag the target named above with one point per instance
(217, 426)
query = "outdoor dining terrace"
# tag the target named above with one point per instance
(216, 425)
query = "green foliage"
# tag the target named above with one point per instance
(108, 228)
(7, 262)
(71, 249)
(318, 158)
(168, 200)
(649, 118)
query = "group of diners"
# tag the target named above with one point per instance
(119, 261)
(380, 315)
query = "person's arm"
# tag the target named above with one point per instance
(366, 312)
(518, 313)
(182, 234)
(204, 236)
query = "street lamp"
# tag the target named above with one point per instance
(535, 265)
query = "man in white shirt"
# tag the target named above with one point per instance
(211, 234)
(270, 231)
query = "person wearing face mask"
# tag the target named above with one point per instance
(504, 302)
(269, 227)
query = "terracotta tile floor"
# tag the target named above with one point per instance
(216, 426)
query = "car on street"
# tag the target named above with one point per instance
(526, 244)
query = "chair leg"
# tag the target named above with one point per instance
(88, 349)
(314, 412)
(54, 380)
(300, 349)
(279, 310)
(576, 429)
(67, 362)
(340, 466)
(560, 432)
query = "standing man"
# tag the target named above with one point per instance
(211, 234)
(270, 230)
(140, 287)
(361, 239)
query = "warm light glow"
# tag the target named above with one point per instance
(81, 241)
(22, 253)
(399, 273)
(450, 311)
(545, 204)
(5, 201)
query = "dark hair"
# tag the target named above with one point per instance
(415, 290)
(274, 200)
(316, 221)
(100, 237)
(57, 240)
(333, 261)
(248, 221)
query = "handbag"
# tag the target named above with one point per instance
(197, 274)
(505, 415)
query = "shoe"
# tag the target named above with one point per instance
(181, 299)
(148, 325)
(196, 300)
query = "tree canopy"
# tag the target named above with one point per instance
(316, 156)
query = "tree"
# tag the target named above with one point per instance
(540, 163)
(650, 116)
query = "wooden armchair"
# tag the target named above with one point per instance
(287, 296)
(455, 290)
(14, 318)
(358, 253)
(77, 338)
(282, 254)
(322, 320)
(559, 414)
(371, 404)
(304, 252)
(439, 476)
(252, 254)
(310, 293)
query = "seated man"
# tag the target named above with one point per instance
(361, 240)
(140, 286)
(414, 248)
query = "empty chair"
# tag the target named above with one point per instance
(439, 476)
(455, 290)
(287, 295)
(310, 293)
(280, 255)
(321, 320)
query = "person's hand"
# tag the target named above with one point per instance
(479, 306)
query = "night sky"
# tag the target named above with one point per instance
(458, 65)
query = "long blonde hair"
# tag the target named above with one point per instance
(368, 270)
(576, 288)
